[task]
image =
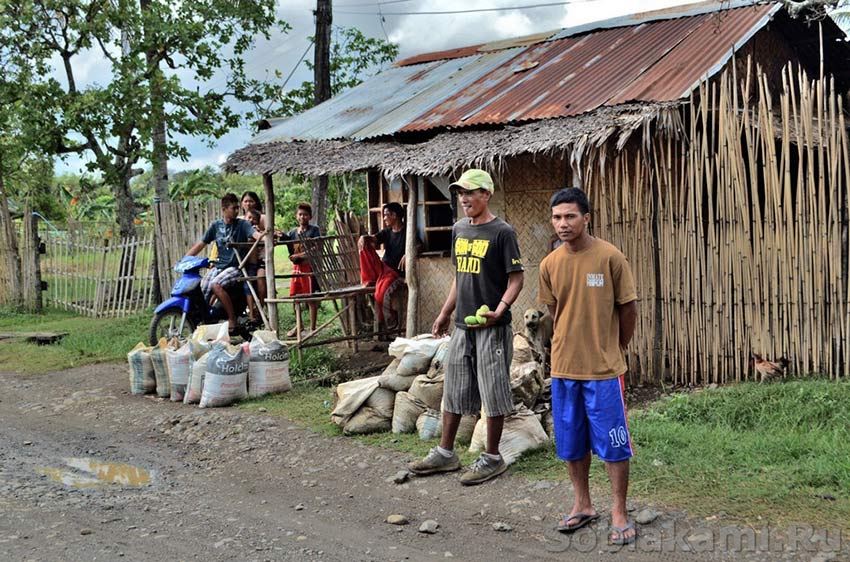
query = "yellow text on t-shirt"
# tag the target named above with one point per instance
(467, 263)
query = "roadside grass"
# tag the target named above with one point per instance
(88, 341)
(776, 453)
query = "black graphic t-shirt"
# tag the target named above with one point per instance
(483, 255)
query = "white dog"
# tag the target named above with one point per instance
(538, 330)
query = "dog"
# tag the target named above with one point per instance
(538, 330)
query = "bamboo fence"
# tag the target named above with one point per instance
(179, 224)
(86, 275)
(737, 230)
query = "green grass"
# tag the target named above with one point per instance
(88, 340)
(770, 451)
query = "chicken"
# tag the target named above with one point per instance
(767, 369)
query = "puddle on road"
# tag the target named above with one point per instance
(93, 473)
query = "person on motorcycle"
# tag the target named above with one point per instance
(225, 231)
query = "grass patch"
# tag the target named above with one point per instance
(88, 341)
(771, 451)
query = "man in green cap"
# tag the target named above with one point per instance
(488, 279)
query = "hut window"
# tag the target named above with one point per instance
(436, 215)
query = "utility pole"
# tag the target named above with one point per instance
(322, 91)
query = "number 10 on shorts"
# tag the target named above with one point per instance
(618, 436)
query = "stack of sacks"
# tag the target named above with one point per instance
(418, 410)
(368, 405)
(529, 385)
(355, 411)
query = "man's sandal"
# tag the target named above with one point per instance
(618, 537)
(564, 525)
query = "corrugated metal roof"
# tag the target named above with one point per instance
(657, 56)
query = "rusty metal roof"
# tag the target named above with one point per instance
(656, 56)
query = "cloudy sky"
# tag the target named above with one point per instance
(404, 22)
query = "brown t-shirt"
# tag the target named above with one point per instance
(585, 287)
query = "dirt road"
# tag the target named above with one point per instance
(226, 485)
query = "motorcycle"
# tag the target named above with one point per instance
(187, 308)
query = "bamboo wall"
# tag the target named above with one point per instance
(773, 265)
(750, 210)
(735, 222)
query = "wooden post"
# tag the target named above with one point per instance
(270, 277)
(36, 264)
(412, 265)
(323, 15)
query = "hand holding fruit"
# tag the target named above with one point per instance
(482, 317)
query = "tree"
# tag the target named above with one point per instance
(353, 58)
(114, 120)
(818, 7)
(841, 14)
(22, 142)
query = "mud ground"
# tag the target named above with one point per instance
(224, 485)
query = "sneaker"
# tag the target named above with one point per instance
(435, 462)
(484, 468)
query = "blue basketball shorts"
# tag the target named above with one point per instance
(591, 416)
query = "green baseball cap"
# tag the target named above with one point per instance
(473, 179)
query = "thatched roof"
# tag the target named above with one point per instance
(452, 150)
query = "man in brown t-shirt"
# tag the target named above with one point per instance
(589, 288)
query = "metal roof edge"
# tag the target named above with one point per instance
(675, 12)
(731, 52)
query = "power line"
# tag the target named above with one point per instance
(373, 4)
(297, 64)
(471, 11)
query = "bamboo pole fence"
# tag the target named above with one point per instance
(179, 224)
(84, 274)
(736, 226)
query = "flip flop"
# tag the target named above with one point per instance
(618, 537)
(583, 519)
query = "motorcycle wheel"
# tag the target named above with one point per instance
(166, 324)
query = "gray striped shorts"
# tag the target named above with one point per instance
(478, 370)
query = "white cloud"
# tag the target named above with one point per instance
(584, 12)
(415, 34)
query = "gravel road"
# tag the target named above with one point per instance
(89, 472)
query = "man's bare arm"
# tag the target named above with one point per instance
(628, 321)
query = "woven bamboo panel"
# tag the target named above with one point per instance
(528, 213)
(531, 172)
(435, 279)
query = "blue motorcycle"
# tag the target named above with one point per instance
(187, 309)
